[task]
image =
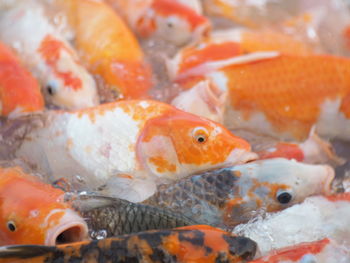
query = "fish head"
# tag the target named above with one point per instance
(274, 184)
(65, 83)
(172, 21)
(181, 143)
(19, 90)
(34, 213)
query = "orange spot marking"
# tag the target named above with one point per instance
(284, 150)
(289, 90)
(346, 35)
(27, 201)
(171, 7)
(194, 56)
(51, 50)
(339, 197)
(18, 88)
(162, 164)
(295, 253)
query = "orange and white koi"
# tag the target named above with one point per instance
(171, 20)
(268, 91)
(235, 195)
(322, 251)
(33, 212)
(316, 218)
(129, 138)
(192, 244)
(64, 81)
(19, 90)
(109, 48)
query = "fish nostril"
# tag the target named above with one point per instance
(73, 234)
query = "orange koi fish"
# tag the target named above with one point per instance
(137, 142)
(65, 83)
(109, 48)
(33, 212)
(235, 195)
(283, 95)
(171, 20)
(322, 251)
(192, 244)
(314, 219)
(19, 90)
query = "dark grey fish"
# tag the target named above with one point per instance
(111, 216)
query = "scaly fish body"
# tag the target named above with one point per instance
(109, 48)
(314, 219)
(19, 90)
(64, 81)
(33, 212)
(188, 244)
(171, 20)
(119, 217)
(322, 251)
(284, 95)
(136, 142)
(230, 196)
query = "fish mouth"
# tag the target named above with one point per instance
(71, 228)
(330, 175)
(239, 156)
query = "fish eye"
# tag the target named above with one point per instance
(200, 135)
(284, 197)
(50, 90)
(11, 226)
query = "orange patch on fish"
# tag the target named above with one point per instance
(18, 88)
(339, 197)
(51, 50)
(172, 7)
(284, 150)
(162, 164)
(196, 55)
(279, 87)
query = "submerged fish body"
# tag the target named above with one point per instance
(64, 81)
(188, 244)
(19, 90)
(171, 20)
(316, 218)
(139, 143)
(33, 212)
(109, 48)
(234, 195)
(118, 217)
(322, 251)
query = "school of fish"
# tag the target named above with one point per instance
(175, 131)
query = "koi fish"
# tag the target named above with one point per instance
(234, 195)
(268, 93)
(322, 251)
(136, 142)
(33, 212)
(109, 48)
(168, 19)
(316, 218)
(115, 216)
(64, 81)
(187, 244)
(19, 90)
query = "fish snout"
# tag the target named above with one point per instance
(329, 175)
(241, 156)
(71, 228)
(243, 247)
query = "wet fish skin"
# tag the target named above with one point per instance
(188, 244)
(118, 217)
